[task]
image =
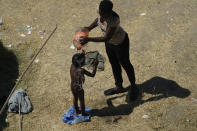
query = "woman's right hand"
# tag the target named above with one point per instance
(83, 40)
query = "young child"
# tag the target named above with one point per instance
(77, 79)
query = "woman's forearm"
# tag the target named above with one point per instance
(97, 39)
(93, 25)
(109, 33)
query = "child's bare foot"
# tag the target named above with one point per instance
(78, 112)
(85, 114)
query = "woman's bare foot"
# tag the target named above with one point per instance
(119, 89)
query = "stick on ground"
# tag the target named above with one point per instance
(19, 79)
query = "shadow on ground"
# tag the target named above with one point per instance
(157, 86)
(8, 75)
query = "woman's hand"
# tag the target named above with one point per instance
(83, 40)
(93, 25)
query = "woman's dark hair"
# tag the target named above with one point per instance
(78, 60)
(106, 6)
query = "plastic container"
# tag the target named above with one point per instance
(82, 32)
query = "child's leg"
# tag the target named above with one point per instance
(82, 102)
(75, 101)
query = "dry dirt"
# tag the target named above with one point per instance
(163, 51)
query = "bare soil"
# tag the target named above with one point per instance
(163, 51)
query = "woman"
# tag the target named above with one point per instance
(117, 46)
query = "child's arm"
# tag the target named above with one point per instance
(94, 70)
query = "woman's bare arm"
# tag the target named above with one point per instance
(93, 25)
(109, 33)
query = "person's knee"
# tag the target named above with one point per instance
(81, 94)
(125, 63)
(112, 60)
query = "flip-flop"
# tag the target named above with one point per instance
(113, 91)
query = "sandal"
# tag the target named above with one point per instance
(113, 91)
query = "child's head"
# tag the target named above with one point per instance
(78, 60)
(105, 8)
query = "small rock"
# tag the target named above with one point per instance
(36, 60)
(167, 12)
(72, 47)
(41, 37)
(29, 32)
(143, 14)
(9, 46)
(22, 35)
(145, 116)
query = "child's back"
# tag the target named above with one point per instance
(77, 77)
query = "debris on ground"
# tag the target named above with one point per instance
(145, 116)
(1, 21)
(22, 35)
(72, 47)
(29, 32)
(42, 31)
(143, 14)
(36, 60)
(9, 46)
(193, 100)
(28, 28)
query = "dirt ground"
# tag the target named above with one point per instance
(163, 51)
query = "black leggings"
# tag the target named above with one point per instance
(119, 55)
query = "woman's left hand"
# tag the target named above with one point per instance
(83, 40)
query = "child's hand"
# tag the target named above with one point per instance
(95, 63)
(83, 52)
